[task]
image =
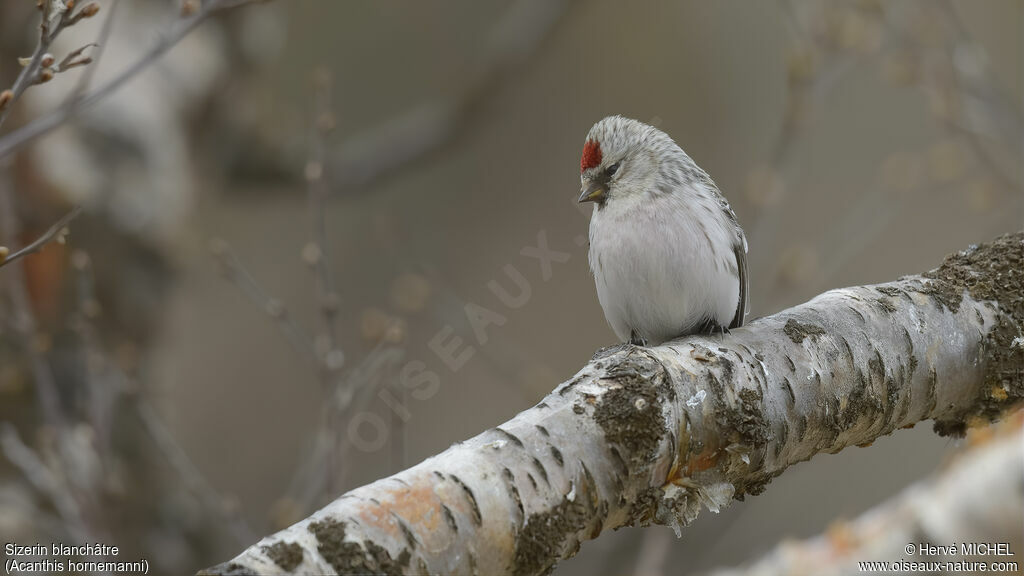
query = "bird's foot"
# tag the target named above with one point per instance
(613, 349)
(636, 339)
(711, 327)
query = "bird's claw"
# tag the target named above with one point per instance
(711, 327)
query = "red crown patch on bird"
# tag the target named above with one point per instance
(591, 155)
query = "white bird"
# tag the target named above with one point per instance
(668, 256)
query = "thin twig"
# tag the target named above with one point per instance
(101, 43)
(1012, 116)
(27, 76)
(25, 321)
(356, 396)
(996, 103)
(349, 396)
(322, 123)
(43, 480)
(103, 390)
(54, 232)
(240, 277)
(32, 72)
(179, 30)
(193, 478)
(330, 358)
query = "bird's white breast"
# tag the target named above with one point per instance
(663, 264)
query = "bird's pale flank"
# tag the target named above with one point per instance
(668, 256)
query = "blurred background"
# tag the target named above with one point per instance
(295, 206)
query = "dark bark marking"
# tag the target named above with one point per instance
(932, 396)
(350, 557)
(790, 395)
(861, 401)
(541, 470)
(790, 363)
(907, 373)
(991, 273)
(470, 497)
(547, 537)
(783, 437)
(801, 428)
(890, 290)
(630, 414)
(287, 555)
(619, 461)
(226, 569)
(597, 504)
(751, 423)
(410, 537)
(797, 331)
(886, 306)
(511, 437)
(510, 481)
(846, 347)
(857, 312)
(568, 386)
(449, 518)
(557, 455)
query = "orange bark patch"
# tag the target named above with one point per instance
(842, 538)
(695, 463)
(415, 503)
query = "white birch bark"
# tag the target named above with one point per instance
(645, 435)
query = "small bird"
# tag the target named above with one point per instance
(668, 256)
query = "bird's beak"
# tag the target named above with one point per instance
(594, 192)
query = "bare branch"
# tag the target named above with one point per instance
(329, 355)
(74, 59)
(240, 276)
(187, 471)
(45, 124)
(315, 251)
(24, 319)
(55, 232)
(644, 435)
(44, 481)
(37, 68)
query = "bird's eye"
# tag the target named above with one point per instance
(611, 169)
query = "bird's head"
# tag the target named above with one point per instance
(624, 158)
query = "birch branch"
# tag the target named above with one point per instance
(645, 435)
